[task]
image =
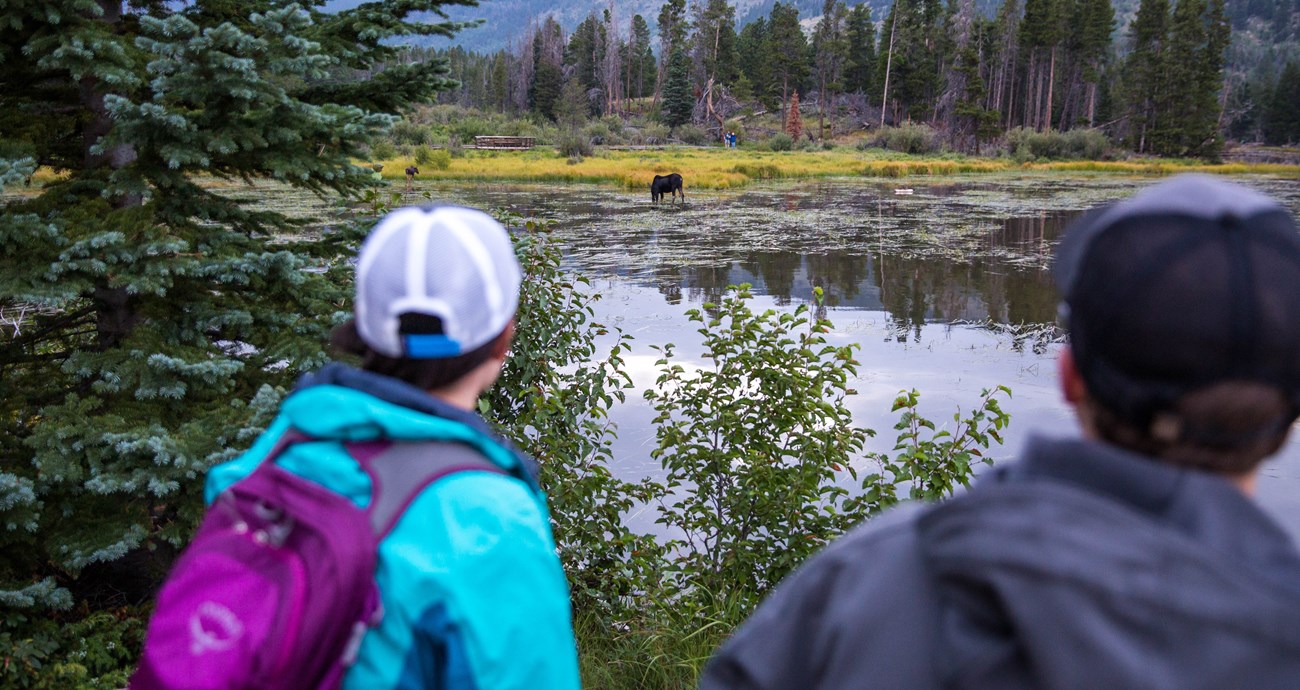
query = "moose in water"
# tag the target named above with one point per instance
(411, 172)
(667, 184)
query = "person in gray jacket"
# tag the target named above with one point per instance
(1131, 558)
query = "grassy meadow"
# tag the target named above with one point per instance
(720, 168)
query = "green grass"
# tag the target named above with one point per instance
(663, 648)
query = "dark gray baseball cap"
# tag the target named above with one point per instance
(1190, 282)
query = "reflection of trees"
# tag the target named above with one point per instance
(915, 289)
(1032, 235)
(707, 283)
(777, 270)
(839, 275)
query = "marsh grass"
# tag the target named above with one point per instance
(718, 168)
(665, 648)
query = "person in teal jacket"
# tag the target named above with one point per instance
(472, 589)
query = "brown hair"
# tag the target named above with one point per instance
(426, 374)
(1227, 428)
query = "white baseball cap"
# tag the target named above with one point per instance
(454, 263)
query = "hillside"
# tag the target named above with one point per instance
(1263, 30)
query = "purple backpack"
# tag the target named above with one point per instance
(278, 586)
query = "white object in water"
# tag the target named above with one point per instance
(903, 190)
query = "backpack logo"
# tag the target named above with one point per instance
(214, 628)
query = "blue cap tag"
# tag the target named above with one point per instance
(430, 346)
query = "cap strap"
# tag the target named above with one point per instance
(430, 346)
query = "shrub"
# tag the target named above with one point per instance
(573, 143)
(615, 124)
(383, 150)
(692, 135)
(758, 440)
(438, 159)
(598, 133)
(654, 134)
(409, 133)
(780, 142)
(554, 397)
(470, 127)
(1024, 144)
(1088, 144)
(455, 147)
(909, 137)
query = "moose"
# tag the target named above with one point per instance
(667, 184)
(411, 172)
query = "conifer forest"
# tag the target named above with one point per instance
(1176, 78)
(155, 310)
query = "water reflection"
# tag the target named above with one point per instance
(950, 253)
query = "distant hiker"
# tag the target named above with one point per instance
(411, 172)
(378, 532)
(666, 184)
(1134, 557)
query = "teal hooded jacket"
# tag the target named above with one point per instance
(473, 593)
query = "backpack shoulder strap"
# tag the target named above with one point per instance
(403, 469)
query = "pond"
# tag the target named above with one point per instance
(946, 289)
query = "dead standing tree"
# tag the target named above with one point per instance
(715, 105)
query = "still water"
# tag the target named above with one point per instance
(946, 290)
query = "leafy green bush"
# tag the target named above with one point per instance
(909, 137)
(383, 150)
(692, 135)
(598, 133)
(438, 159)
(573, 144)
(409, 133)
(554, 399)
(1024, 144)
(758, 442)
(753, 444)
(97, 651)
(653, 134)
(780, 142)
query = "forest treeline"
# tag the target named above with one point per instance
(1159, 87)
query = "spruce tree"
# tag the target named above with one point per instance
(751, 46)
(1144, 87)
(153, 321)
(1282, 110)
(860, 70)
(787, 51)
(679, 102)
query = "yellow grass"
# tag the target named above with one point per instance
(718, 168)
(723, 169)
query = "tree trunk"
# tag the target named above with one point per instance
(1051, 85)
(115, 316)
(889, 60)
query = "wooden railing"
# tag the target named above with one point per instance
(511, 143)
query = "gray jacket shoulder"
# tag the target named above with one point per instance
(817, 626)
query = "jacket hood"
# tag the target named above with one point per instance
(1085, 566)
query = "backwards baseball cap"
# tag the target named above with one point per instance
(1190, 282)
(456, 264)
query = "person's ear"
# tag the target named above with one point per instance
(501, 346)
(1071, 381)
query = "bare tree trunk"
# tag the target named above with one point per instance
(1051, 85)
(889, 60)
(1092, 104)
